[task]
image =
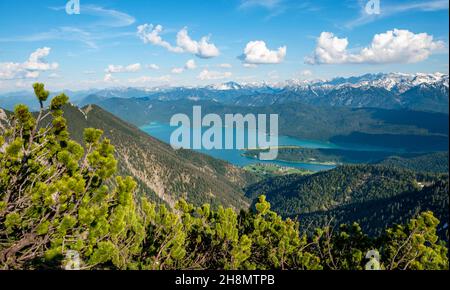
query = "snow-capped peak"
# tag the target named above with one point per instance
(225, 86)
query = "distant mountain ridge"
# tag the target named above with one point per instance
(423, 92)
(419, 91)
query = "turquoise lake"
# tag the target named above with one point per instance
(163, 132)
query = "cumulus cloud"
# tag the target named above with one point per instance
(249, 65)
(31, 68)
(190, 64)
(213, 75)
(256, 52)
(177, 70)
(306, 73)
(225, 65)
(112, 69)
(108, 78)
(150, 34)
(153, 66)
(393, 46)
(148, 79)
(203, 48)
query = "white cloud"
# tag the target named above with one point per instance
(256, 52)
(108, 78)
(29, 69)
(153, 66)
(249, 65)
(112, 69)
(190, 64)
(213, 75)
(225, 65)
(393, 46)
(148, 79)
(202, 48)
(32, 75)
(149, 33)
(177, 70)
(306, 73)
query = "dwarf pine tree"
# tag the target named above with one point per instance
(414, 246)
(54, 197)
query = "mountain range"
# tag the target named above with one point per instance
(423, 92)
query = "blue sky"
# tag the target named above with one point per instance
(198, 42)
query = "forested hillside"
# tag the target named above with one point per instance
(426, 162)
(375, 215)
(376, 196)
(433, 162)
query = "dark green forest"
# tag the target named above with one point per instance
(375, 196)
(427, 162)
